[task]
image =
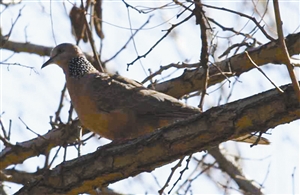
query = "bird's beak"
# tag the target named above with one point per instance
(50, 61)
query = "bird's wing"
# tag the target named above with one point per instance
(125, 80)
(125, 94)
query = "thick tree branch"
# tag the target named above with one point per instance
(30, 48)
(19, 177)
(192, 79)
(22, 177)
(114, 162)
(21, 151)
(24, 47)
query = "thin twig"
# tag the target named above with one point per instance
(52, 25)
(230, 29)
(130, 38)
(182, 5)
(164, 36)
(54, 157)
(132, 7)
(70, 113)
(201, 20)
(188, 160)
(173, 169)
(166, 67)
(285, 55)
(237, 45)
(266, 176)
(13, 25)
(18, 64)
(260, 70)
(293, 180)
(259, 138)
(222, 73)
(195, 170)
(60, 105)
(3, 129)
(9, 129)
(5, 133)
(243, 15)
(31, 129)
(91, 39)
(199, 174)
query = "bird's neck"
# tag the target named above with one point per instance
(79, 66)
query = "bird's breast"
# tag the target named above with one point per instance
(116, 123)
(110, 124)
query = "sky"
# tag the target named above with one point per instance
(33, 95)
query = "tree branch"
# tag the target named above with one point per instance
(114, 162)
(43, 144)
(192, 79)
(285, 57)
(30, 48)
(228, 167)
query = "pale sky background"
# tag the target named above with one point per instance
(33, 96)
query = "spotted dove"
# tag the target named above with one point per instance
(115, 107)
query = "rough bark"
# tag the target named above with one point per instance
(15, 154)
(114, 162)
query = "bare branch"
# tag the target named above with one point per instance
(114, 162)
(226, 166)
(260, 70)
(201, 20)
(285, 57)
(192, 79)
(246, 16)
(130, 38)
(173, 169)
(92, 42)
(21, 151)
(164, 36)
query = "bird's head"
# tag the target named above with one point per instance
(62, 54)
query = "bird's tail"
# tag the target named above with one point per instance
(253, 139)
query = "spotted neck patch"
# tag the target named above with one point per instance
(79, 66)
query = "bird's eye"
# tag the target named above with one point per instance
(60, 50)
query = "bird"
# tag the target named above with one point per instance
(113, 106)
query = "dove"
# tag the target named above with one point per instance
(113, 106)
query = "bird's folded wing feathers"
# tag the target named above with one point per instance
(125, 80)
(118, 94)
